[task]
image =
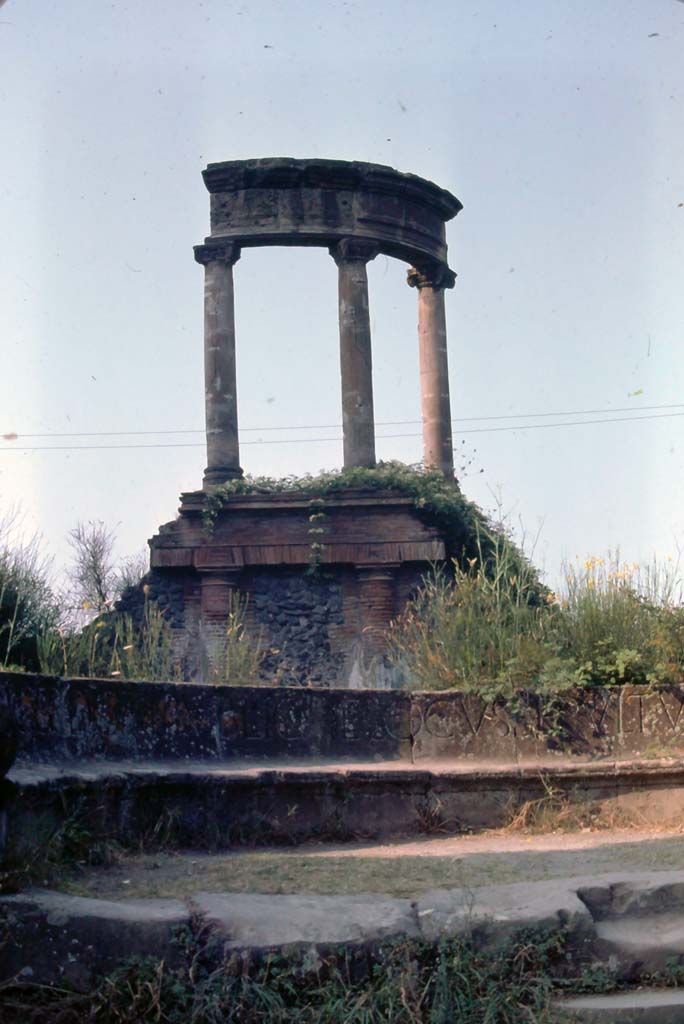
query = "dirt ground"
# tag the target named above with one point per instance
(404, 868)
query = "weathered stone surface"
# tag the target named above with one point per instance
(270, 544)
(492, 914)
(639, 920)
(66, 720)
(8, 740)
(227, 804)
(61, 720)
(645, 1006)
(285, 201)
(635, 895)
(258, 922)
(50, 938)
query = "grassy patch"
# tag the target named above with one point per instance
(405, 983)
(165, 875)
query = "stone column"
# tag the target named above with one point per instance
(376, 604)
(223, 452)
(358, 425)
(434, 367)
(217, 588)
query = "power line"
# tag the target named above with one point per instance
(335, 426)
(317, 440)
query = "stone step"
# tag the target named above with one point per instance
(642, 944)
(638, 924)
(52, 937)
(641, 1006)
(219, 805)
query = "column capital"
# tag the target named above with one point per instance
(437, 277)
(353, 250)
(225, 252)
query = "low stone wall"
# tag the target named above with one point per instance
(85, 719)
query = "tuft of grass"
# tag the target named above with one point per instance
(621, 622)
(237, 656)
(55, 853)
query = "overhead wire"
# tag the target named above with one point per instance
(13, 435)
(316, 440)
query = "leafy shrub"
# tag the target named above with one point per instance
(27, 603)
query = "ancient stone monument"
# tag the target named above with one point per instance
(375, 547)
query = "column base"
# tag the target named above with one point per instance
(214, 476)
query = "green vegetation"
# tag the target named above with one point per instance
(483, 622)
(467, 531)
(485, 628)
(404, 982)
(237, 654)
(111, 645)
(27, 605)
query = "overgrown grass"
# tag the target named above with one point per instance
(405, 983)
(483, 627)
(54, 851)
(112, 646)
(621, 623)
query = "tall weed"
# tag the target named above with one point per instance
(474, 627)
(487, 628)
(112, 646)
(236, 656)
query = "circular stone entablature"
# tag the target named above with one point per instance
(286, 201)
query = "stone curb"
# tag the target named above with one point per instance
(223, 804)
(48, 937)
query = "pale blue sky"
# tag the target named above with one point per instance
(560, 126)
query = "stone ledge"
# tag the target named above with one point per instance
(53, 937)
(645, 1006)
(50, 938)
(227, 805)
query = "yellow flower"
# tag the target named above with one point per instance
(86, 605)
